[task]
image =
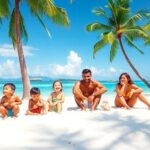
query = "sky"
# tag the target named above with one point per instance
(70, 49)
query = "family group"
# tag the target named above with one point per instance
(86, 90)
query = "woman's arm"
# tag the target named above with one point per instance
(120, 91)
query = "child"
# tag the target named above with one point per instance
(9, 102)
(56, 98)
(128, 93)
(36, 104)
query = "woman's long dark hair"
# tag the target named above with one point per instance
(128, 78)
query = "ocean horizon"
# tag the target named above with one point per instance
(46, 86)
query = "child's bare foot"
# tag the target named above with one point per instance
(128, 107)
(5, 117)
(83, 109)
(14, 117)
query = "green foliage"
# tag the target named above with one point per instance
(47, 8)
(120, 23)
(12, 30)
(113, 50)
(4, 9)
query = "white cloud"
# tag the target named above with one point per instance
(7, 50)
(72, 68)
(112, 70)
(9, 69)
(103, 73)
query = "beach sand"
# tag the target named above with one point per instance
(73, 129)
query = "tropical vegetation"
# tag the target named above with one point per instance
(17, 30)
(119, 26)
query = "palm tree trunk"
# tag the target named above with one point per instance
(131, 65)
(24, 74)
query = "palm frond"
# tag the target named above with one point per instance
(147, 41)
(135, 32)
(147, 27)
(60, 17)
(109, 37)
(113, 50)
(12, 30)
(113, 9)
(47, 8)
(44, 7)
(40, 20)
(137, 17)
(100, 12)
(129, 41)
(98, 46)
(97, 27)
(4, 8)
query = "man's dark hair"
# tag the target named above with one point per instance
(86, 71)
(12, 86)
(35, 90)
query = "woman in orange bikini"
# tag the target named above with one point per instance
(127, 93)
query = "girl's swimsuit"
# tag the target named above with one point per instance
(56, 100)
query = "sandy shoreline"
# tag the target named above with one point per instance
(73, 129)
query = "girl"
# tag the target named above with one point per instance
(56, 98)
(127, 93)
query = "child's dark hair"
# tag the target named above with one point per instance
(12, 86)
(127, 76)
(35, 90)
(59, 82)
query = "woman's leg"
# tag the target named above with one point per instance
(121, 102)
(144, 100)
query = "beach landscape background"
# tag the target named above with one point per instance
(46, 86)
(64, 56)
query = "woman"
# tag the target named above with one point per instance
(127, 93)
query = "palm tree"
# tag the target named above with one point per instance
(4, 9)
(17, 29)
(120, 25)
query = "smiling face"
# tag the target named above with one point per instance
(123, 79)
(35, 97)
(57, 87)
(86, 77)
(8, 91)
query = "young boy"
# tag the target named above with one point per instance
(9, 102)
(36, 104)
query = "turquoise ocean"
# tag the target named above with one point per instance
(46, 87)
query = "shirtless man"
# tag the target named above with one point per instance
(88, 90)
(9, 101)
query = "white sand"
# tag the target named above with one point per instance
(72, 129)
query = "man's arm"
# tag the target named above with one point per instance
(100, 89)
(77, 91)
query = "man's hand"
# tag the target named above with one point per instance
(90, 98)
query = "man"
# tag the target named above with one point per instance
(88, 90)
